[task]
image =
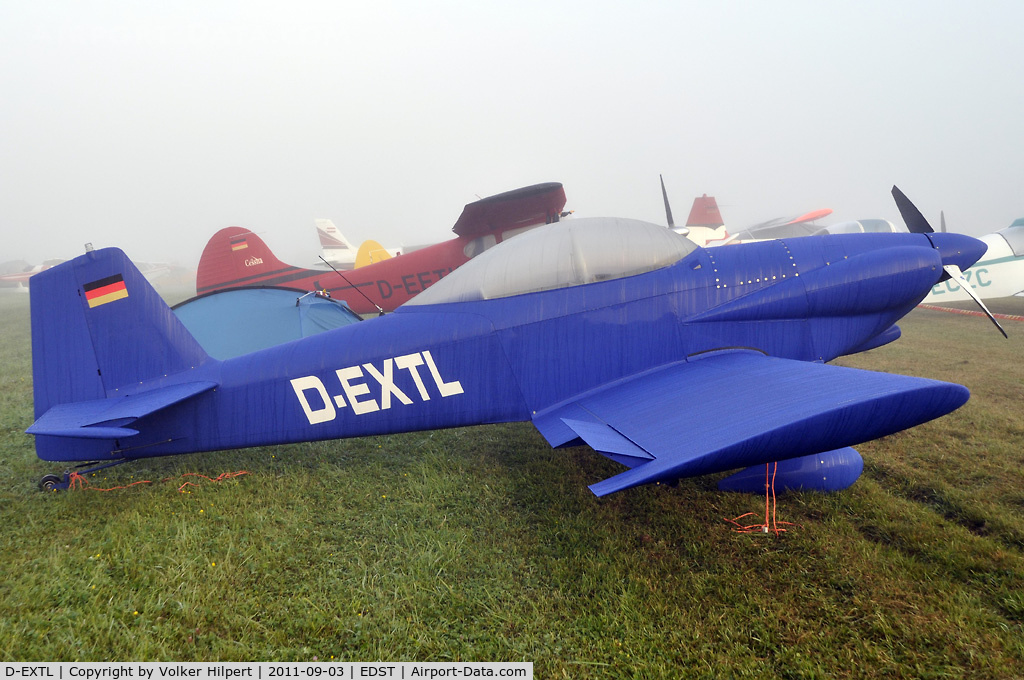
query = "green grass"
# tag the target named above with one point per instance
(485, 544)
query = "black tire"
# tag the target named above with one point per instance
(51, 483)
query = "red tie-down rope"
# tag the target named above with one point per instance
(770, 524)
(77, 481)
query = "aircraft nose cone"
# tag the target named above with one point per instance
(958, 249)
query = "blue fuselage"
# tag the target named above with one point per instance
(446, 365)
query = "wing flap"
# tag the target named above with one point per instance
(106, 418)
(733, 409)
(602, 437)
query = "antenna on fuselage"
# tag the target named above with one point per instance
(353, 287)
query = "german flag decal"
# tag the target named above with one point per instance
(239, 244)
(105, 290)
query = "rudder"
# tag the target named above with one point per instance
(98, 325)
(235, 257)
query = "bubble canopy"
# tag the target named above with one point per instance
(569, 253)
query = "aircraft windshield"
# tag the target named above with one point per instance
(1014, 236)
(770, 231)
(878, 226)
(577, 251)
(873, 226)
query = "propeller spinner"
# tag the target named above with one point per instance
(917, 224)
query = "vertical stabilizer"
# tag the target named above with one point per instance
(336, 248)
(330, 237)
(704, 213)
(236, 257)
(371, 252)
(97, 326)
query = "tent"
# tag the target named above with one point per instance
(233, 322)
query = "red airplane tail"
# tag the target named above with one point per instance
(704, 213)
(234, 257)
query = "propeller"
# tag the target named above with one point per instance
(917, 224)
(912, 217)
(682, 231)
(954, 273)
(668, 208)
(942, 221)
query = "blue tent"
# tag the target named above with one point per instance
(242, 320)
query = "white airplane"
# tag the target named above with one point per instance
(705, 226)
(339, 252)
(804, 226)
(999, 273)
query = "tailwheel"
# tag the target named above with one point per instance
(52, 483)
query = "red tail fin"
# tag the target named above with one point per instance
(704, 213)
(234, 257)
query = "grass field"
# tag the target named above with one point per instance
(484, 544)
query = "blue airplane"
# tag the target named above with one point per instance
(595, 330)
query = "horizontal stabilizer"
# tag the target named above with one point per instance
(789, 409)
(107, 418)
(89, 432)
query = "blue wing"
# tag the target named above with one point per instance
(737, 408)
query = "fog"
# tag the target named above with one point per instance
(149, 126)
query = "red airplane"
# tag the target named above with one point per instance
(236, 257)
(19, 280)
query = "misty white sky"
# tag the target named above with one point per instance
(149, 126)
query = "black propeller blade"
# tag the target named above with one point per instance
(912, 217)
(668, 209)
(919, 225)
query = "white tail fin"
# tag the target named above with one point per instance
(336, 248)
